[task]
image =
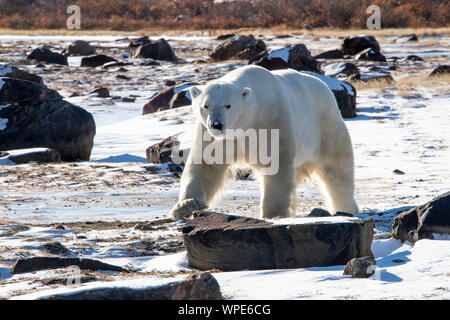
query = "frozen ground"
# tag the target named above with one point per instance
(100, 204)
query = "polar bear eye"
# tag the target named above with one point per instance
(205, 106)
(227, 107)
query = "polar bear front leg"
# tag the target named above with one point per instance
(278, 190)
(200, 183)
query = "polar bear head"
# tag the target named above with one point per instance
(220, 106)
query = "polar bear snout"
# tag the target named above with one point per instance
(217, 125)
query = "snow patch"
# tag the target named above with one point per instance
(282, 53)
(5, 69)
(3, 123)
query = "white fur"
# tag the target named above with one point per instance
(313, 138)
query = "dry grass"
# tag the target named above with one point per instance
(438, 84)
(279, 30)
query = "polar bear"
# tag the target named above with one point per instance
(313, 139)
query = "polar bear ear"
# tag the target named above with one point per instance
(246, 93)
(195, 91)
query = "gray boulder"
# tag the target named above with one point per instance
(158, 50)
(228, 242)
(170, 98)
(79, 48)
(354, 45)
(423, 221)
(232, 46)
(8, 71)
(39, 117)
(40, 155)
(46, 55)
(96, 60)
(199, 286)
(360, 267)
(296, 57)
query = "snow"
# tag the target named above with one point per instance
(422, 273)
(313, 220)
(282, 53)
(3, 123)
(137, 284)
(4, 69)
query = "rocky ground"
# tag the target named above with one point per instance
(115, 207)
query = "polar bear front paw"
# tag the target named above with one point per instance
(185, 208)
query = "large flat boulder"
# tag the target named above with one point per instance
(33, 116)
(199, 286)
(423, 221)
(228, 242)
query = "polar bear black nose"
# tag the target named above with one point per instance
(217, 125)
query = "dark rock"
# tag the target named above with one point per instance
(307, 27)
(413, 57)
(296, 57)
(161, 152)
(422, 221)
(407, 38)
(227, 242)
(170, 98)
(159, 50)
(343, 214)
(138, 41)
(25, 156)
(341, 69)
(370, 55)
(232, 46)
(199, 286)
(318, 212)
(354, 45)
(96, 60)
(149, 62)
(45, 263)
(55, 247)
(122, 77)
(39, 117)
(128, 99)
(101, 92)
(225, 36)
(79, 48)
(444, 69)
(360, 267)
(331, 54)
(44, 54)
(7, 71)
(367, 77)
